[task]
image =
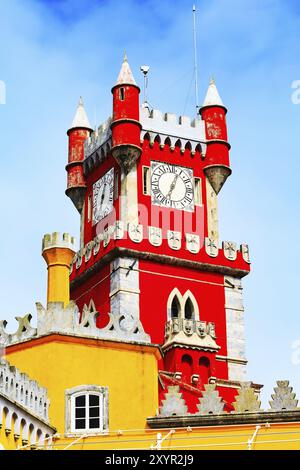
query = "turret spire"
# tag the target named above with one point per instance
(125, 75)
(80, 119)
(212, 96)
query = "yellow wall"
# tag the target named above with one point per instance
(130, 372)
(59, 363)
(277, 437)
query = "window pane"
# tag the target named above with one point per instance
(80, 424)
(94, 400)
(80, 401)
(80, 413)
(94, 423)
(94, 412)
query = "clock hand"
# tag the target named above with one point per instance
(172, 187)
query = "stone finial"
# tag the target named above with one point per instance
(173, 404)
(284, 399)
(80, 119)
(246, 400)
(211, 403)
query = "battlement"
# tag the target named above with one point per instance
(182, 128)
(179, 130)
(98, 138)
(24, 391)
(56, 240)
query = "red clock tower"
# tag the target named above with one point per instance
(147, 189)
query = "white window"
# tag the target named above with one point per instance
(87, 409)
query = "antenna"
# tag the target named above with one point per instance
(195, 60)
(145, 70)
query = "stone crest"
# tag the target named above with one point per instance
(230, 250)
(174, 240)
(119, 230)
(211, 247)
(192, 243)
(155, 236)
(245, 253)
(135, 232)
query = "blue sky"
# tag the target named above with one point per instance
(54, 51)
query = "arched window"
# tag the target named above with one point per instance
(187, 367)
(87, 409)
(191, 309)
(175, 308)
(189, 312)
(204, 370)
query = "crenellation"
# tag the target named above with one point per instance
(175, 241)
(56, 240)
(26, 392)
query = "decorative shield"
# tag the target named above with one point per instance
(174, 240)
(135, 232)
(230, 250)
(106, 237)
(119, 230)
(192, 243)
(155, 236)
(245, 253)
(211, 247)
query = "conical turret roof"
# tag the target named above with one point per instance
(80, 118)
(212, 96)
(125, 75)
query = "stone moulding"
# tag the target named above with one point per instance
(135, 232)
(117, 252)
(190, 333)
(224, 419)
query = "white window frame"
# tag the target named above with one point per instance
(86, 390)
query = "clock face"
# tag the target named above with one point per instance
(103, 196)
(172, 186)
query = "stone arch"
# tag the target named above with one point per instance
(190, 302)
(204, 369)
(186, 366)
(24, 431)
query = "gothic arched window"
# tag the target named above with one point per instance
(175, 308)
(189, 311)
